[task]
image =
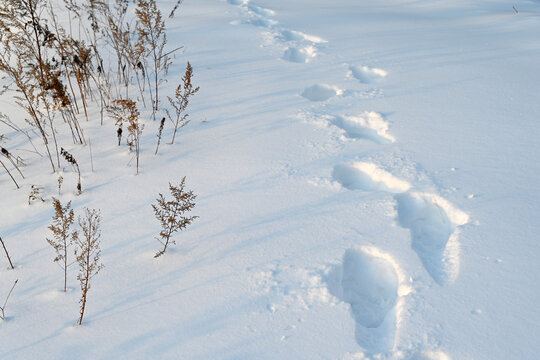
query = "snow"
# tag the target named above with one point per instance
(375, 195)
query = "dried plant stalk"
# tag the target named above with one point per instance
(152, 38)
(35, 194)
(125, 111)
(181, 101)
(63, 234)
(8, 155)
(11, 176)
(161, 125)
(88, 254)
(70, 159)
(7, 254)
(3, 308)
(25, 41)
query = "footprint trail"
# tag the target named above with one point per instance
(299, 47)
(368, 280)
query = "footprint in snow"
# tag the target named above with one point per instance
(303, 47)
(366, 74)
(368, 177)
(321, 92)
(299, 55)
(262, 22)
(434, 226)
(260, 10)
(370, 281)
(292, 35)
(368, 125)
(433, 222)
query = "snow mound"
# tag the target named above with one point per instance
(368, 177)
(366, 74)
(368, 125)
(433, 223)
(321, 92)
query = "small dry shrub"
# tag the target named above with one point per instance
(170, 213)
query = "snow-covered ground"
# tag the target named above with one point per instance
(367, 177)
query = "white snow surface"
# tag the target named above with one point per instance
(323, 233)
